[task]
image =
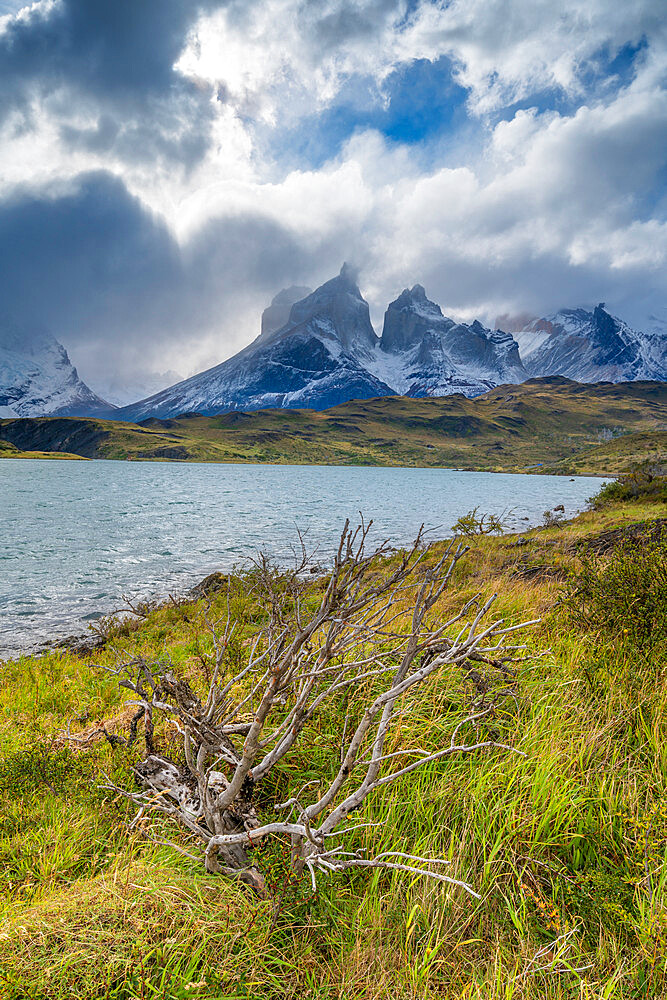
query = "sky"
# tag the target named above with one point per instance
(167, 166)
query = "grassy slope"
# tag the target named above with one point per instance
(553, 841)
(8, 450)
(550, 423)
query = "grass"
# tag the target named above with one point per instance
(8, 450)
(543, 425)
(566, 846)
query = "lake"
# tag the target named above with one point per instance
(76, 537)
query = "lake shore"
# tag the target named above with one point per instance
(553, 426)
(77, 539)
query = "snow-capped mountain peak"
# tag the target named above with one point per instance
(37, 377)
(590, 346)
(429, 354)
(318, 358)
(338, 310)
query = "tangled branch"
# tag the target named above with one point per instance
(376, 636)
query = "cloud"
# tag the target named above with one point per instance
(105, 72)
(89, 262)
(167, 166)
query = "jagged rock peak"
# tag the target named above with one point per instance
(590, 347)
(276, 315)
(408, 318)
(338, 310)
(350, 275)
(415, 299)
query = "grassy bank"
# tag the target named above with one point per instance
(566, 846)
(544, 425)
(8, 450)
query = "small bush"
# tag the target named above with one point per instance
(553, 518)
(646, 482)
(473, 523)
(623, 594)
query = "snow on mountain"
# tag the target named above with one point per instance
(423, 353)
(320, 349)
(38, 379)
(316, 359)
(591, 347)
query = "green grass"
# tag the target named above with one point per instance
(558, 842)
(544, 425)
(8, 450)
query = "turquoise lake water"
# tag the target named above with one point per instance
(75, 537)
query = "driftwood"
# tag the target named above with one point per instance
(375, 634)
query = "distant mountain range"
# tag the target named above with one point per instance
(318, 349)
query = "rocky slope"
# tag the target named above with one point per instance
(37, 378)
(591, 347)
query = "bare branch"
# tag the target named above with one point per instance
(371, 633)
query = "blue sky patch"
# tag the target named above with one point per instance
(417, 104)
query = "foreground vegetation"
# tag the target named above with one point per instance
(566, 846)
(544, 425)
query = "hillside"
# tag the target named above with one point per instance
(560, 827)
(549, 424)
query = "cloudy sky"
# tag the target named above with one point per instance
(166, 166)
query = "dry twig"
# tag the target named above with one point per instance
(354, 641)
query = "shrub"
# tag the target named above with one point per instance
(473, 523)
(553, 518)
(647, 481)
(624, 593)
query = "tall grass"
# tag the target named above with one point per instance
(566, 846)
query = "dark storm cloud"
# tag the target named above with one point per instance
(89, 263)
(115, 59)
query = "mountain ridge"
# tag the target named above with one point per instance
(318, 348)
(327, 352)
(541, 425)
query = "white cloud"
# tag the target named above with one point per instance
(550, 208)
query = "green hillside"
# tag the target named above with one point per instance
(545, 424)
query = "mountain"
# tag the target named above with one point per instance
(321, 350)
(318, 358)
(423, 353)
(37, 378)
(318, 349)
(591, 347)
(277, 314)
